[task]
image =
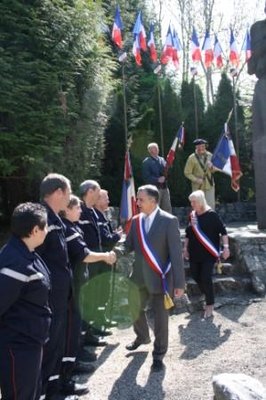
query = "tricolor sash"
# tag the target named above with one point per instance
(152, 259)
(202, 238)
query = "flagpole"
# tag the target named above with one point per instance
(125, 106)
(160, 116)
(236, 124)
(195, 109)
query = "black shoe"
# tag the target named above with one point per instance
(134, 345)
(86, 356)
(157, 366)
(72, 387)
(102, 332)
(92, 340)
(83, 368)
(59, 396)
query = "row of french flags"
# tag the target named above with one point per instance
(224, 159)
(209, 53)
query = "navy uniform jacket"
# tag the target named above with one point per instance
(54, 253)
(152, 169)
(108, 237)
(24, 289)
(88, 225)
(76, 246)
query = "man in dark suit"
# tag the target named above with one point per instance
(153, 172)
(158, 271)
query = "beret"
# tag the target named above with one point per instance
(199, 141)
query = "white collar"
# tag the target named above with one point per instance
(152, 215)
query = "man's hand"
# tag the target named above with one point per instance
(161, 179)
(199, 181)
(110, 257)
(178, 292)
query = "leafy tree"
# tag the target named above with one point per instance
(56, 79)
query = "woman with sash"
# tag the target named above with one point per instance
(204, 235)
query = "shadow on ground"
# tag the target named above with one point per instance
(126, 386)
(200, 335)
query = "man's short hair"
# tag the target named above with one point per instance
(151, 191)
(25, 217)
(53, 182)
(87, 185)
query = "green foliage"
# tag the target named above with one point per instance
(56, 79)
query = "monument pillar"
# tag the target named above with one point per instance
(257, 66)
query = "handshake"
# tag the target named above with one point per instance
(110, 257)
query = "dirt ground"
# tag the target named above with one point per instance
(234, 341)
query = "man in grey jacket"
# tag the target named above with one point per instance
(158, 272)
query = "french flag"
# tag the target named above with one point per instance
(247, 45)
(167, 52)
(207, 48)
(128, 207)
(117, 29)
(151, 45)
(225, 159)
(218, 53)
(139, 30)
(195, 47)
(136, 50)
(178, 140)
(176, 49)
(233, 55)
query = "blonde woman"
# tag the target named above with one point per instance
(204, 235)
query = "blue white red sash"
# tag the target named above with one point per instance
(149, 254)
(202, 238)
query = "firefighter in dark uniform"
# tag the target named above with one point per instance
(109, 238)
(92, 293)
(78, 253)
(25, 315)
(55, 192)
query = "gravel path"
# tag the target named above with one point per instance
(234, 341)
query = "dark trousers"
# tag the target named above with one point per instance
(20, 368)
(139, 298)
(202, 274)
(54, 352)
(73, 333)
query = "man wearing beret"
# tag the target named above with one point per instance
(199, 170)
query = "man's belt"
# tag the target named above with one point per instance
(161, 185)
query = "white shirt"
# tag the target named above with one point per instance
(150, 218)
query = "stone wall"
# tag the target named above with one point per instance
(232, 212)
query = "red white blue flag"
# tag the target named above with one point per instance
(128, 206)
(225, 159)
(233, 55)
(151, 45)
(218, 53)
(139, 42)
(140, 31)
(167, 51)
(117, 29)
(208, 51)
(178, 140)
(195, 47)
(246, 47)
(176, 49)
